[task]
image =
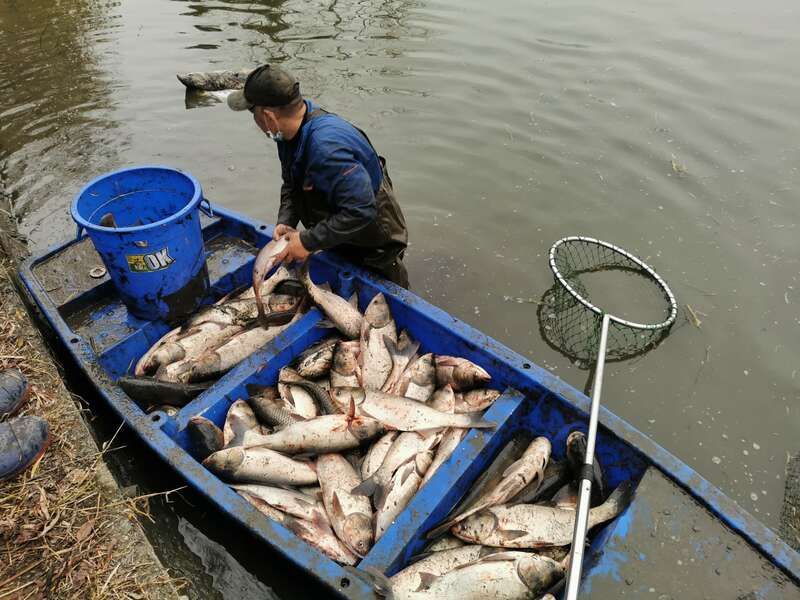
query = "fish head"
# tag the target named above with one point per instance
(289, 375)
(538, 573)
(539, 447)
(477, 527)
(378, 314)
(481, 398)
(342, 396)
(345, 358)
(364, 428)
(576, 448)
(358, 532)
(468, 375)
(225, 462)
(423, 371)
(444, 399)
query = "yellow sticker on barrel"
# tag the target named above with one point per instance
(154, 261)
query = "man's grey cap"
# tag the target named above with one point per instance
(267, 85)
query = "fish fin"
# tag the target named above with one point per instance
(441, 529)
(296, 526)
(511, 534)
(408, 471)
(336, 508)
(425, 580)
(351, 410)
(354, 301)
(325, 324)
(367, 487)
(390, 344)
(325, 286)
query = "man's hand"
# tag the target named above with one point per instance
(281, 230)
(295, 251)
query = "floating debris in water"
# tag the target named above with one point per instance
(519, 300)
(716, 460)
(753, 496)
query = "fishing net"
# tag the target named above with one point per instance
(569, 320)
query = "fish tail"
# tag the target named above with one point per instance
(618, 501)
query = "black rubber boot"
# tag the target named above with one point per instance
(22, 441)
(14, 391)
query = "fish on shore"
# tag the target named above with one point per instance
(418, 381)
(345, 371)
(402, 354)
(317, 360)
(401, 489)
(460, 373)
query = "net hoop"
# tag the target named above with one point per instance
(673, 306)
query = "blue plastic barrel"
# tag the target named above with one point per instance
(155, 253)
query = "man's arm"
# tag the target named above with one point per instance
(348, 189)
(287, 214)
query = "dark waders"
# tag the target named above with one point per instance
(380, 245)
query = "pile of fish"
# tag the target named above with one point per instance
(360, 422)
(509, 538)
(188, 359)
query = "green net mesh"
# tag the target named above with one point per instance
(573, 328)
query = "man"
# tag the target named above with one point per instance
(334, 182)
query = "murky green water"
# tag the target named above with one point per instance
(669, 128)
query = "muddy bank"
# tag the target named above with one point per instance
(66, 529)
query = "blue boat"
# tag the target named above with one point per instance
(679, 537)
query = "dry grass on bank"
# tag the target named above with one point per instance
(65, 530)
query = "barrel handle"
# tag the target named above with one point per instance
(207, 210)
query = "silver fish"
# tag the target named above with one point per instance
(345, 371)
(195, 341)
(566, 497)
(239, 420)
(264, 508)
(223, 358)
(376, 453)
(213, 81)
(475, 400)
(281, 275)
(434, 564)
(270, 408)
(555, 476)
(404, 485)
(342, 314)
(402, 353)
(205, 437)
(375, 359)
(328, 433)
(320, 536)
(449, 442)
(530, 466)
(460, 373)
(403, 414)
(418, 381)
(499, 576)
(146, 364)
(320, 395)
(265, 260)
(317, 360)
(260, 465)
(235, 312)
(446, 542)
(534, 525)
(350, 515)
(293, 503)
(407, 445)
(298, 400)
